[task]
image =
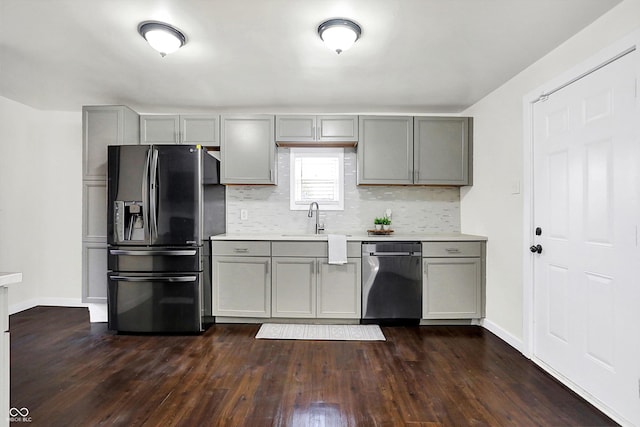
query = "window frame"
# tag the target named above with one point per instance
(306, 152)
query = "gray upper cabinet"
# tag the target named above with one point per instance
(102, 126)
(314, 130)
(441, 150)
(248, 149)
(415, 150)
(200, 129)
(385, 151)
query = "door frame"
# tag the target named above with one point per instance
(596, 61)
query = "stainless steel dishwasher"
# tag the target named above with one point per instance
(391, 282)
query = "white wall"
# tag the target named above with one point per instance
(490, 207)
(40, 203)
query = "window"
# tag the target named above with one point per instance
(317, 175)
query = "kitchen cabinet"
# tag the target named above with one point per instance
(248, 149)
(294, 287)
(305, 285)
(94, 272)
(192, 129)
(311, 130)
(94, 211)
(241, 279)
(101, 126)
(404, 150)
(339, 292)
(453, 280)
(442, 147)
(385, 150)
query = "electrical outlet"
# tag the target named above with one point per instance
(244, 214)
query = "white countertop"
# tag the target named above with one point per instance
(9, 278)
(354, 237)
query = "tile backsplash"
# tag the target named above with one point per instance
(415, 209)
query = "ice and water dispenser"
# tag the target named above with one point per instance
(128, 221)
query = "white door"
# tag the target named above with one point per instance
(586, 186)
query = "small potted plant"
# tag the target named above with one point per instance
(378, 223)
(386, 223)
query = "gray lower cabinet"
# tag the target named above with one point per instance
(339, 293)
(101, 126)
(248, 149)
(94, 272)
(241, 279)
(310, 129)
(453, 280)
(294, 287)
(193, 129)
(305, 285)
(405, 150)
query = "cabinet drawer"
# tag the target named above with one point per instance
(451, 249)
(311, 249)
(241, 248)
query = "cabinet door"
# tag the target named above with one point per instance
(94, 267)
(442, 150)
(296, 128)
(200, 129)
(94, 221)
(294, 287)
(159, 129)
(451, 288)
(103, 126)
(337, 128)
(339, 289)
(385, 150)
(248, 150)
(241, 286)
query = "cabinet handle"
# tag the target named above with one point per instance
(270, 174)
(452, 250)
(241, 250)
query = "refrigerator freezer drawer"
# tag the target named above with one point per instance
(166, 259)
(151, 303)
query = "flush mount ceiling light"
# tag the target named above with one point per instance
(162, 37)
(339, 34)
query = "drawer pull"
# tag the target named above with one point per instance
(453, 250)
(241, 250)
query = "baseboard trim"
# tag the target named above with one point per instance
(503, 335)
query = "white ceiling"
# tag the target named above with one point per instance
(414, 55)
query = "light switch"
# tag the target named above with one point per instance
(515, 187)
(244, 214)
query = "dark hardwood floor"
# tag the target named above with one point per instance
(68, 372)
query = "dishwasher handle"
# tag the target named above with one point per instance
(395, 253)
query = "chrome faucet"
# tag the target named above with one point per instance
(319, 227)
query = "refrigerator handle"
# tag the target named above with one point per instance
(153, 194)
(145, 194)
(153, 279)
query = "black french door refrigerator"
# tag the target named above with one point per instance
(164, 202)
